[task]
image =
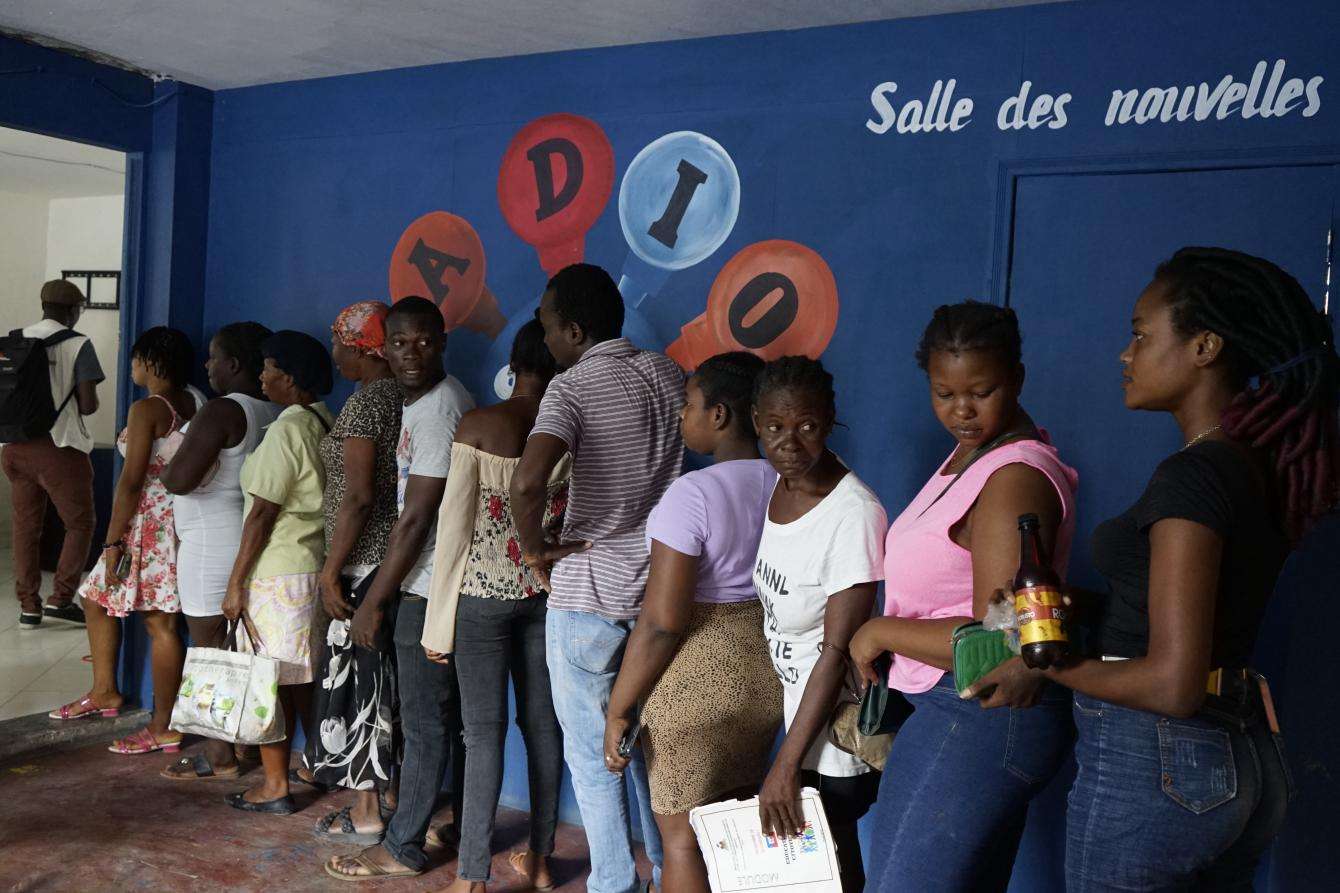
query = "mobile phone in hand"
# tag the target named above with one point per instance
(629, 739)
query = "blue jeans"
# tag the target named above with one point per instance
(1173, 804)
(430, 718)
(584, 654)
(956, 789)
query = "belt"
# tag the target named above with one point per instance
(1214, 682)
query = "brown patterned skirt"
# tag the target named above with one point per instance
(710, 721)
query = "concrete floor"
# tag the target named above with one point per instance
(41, 668)
(89, 821)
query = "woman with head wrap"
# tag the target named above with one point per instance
(354, 712)
(273, 582)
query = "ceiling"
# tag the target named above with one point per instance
(41, 165)
(234, 43)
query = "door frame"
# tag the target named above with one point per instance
(1010, 171)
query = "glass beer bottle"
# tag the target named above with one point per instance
(1037, 602)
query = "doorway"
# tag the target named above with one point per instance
(1083, 247)
(62, 215)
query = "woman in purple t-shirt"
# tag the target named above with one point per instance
(697, 660)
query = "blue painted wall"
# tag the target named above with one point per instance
(313, 183)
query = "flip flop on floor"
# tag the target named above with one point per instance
(84, 707)
(346, 833)
(371, 870)
(144, 741)
(195, 768)
(518, 862)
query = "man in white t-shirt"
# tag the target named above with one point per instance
(56, 466)
(430, 713)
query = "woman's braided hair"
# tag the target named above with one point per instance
(972, 326)
(797, 374)
(728, 379)
(167, 353)
(1271, 332)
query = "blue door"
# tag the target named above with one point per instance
(1084, 247)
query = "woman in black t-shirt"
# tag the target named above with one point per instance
(1182, 781)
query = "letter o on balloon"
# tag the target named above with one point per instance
(774, 298)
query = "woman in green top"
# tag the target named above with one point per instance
(274, 579)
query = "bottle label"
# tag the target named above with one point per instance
(1041, 615)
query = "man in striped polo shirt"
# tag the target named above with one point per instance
(616, 409)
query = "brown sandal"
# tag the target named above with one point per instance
(518, 862)
(371, 870)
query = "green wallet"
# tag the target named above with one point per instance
(977, 651)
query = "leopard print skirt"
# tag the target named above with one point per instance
(710, 721)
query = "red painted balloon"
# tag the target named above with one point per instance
(555, 179)
(775, 298)
(440, 257)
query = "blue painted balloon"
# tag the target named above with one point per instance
(493, 382)
(677, 203)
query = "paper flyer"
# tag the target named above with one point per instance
(739, 857)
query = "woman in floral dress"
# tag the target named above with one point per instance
(138, 567)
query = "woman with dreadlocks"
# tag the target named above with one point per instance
(1182, 782)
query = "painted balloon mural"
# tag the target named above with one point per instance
(440, 256)
(774, 298)
(555, 180)
(678, 202)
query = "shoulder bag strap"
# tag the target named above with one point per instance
(51, 341)
(976, 454)
(325, 426)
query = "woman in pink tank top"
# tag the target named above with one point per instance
(959, 778)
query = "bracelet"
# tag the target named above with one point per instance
(118, 544)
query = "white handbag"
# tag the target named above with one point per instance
(228, 695)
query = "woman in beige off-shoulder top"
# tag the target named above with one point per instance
(486, 611)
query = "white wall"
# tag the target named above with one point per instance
(85, 234)
(23, 257)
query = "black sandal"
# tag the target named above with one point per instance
(347, 834)
(282, 806)
(201, 768)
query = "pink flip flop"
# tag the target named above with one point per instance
(82, 708)
(143, 741)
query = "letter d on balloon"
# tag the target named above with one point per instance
(541, 158)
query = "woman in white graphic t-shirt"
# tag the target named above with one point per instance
(819, 562)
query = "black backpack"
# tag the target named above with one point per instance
(26, 408)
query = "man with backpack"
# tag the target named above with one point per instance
(48, 382)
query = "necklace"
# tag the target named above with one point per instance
(1201, 436)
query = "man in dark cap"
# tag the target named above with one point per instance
(56, 466)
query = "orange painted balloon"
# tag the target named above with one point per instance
(774, 298)
(440, 257)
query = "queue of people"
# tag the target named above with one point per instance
(660, 628)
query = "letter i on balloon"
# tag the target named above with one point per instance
(440, 257)
(774, 298)
(677, 203)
